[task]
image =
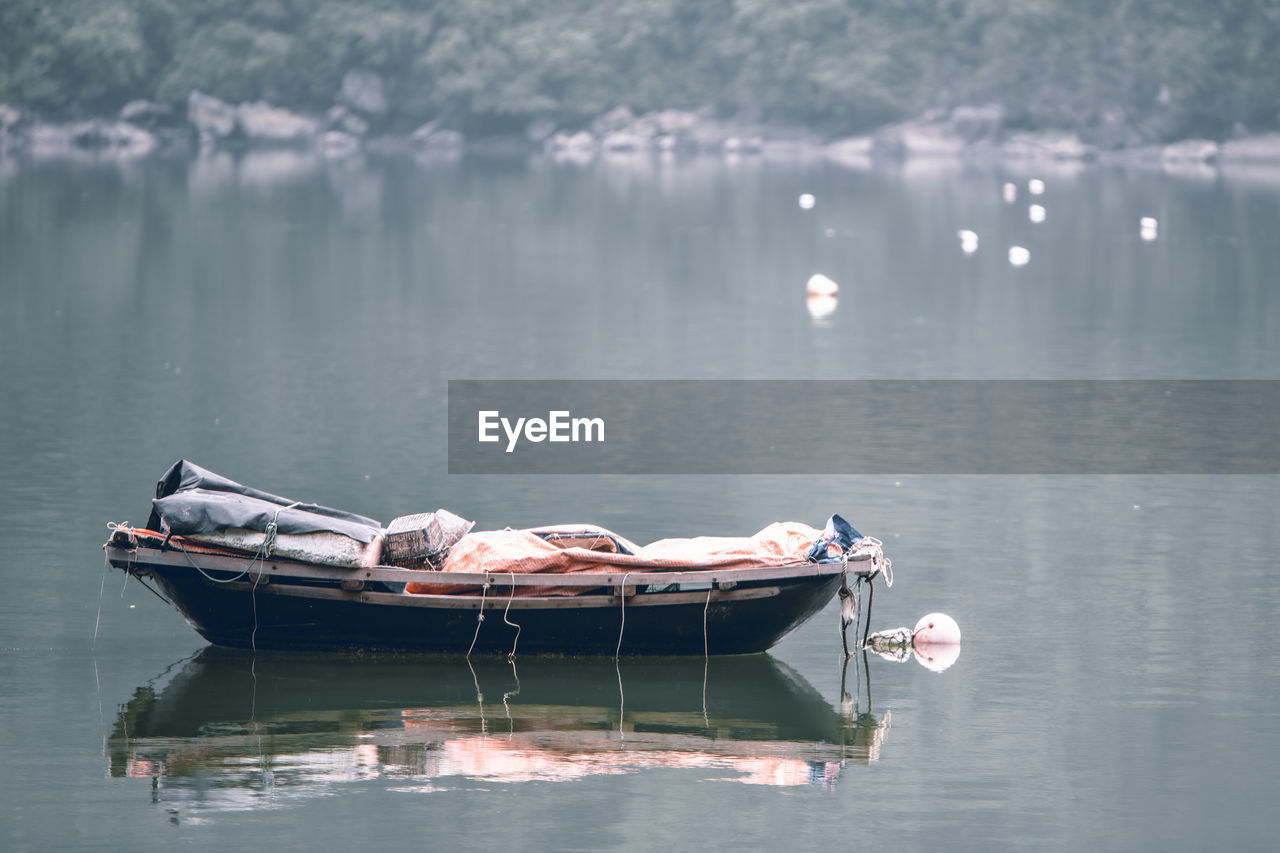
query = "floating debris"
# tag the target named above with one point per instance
(1010, 191)
(1036, 213)
(1035, 186)
(807, 201)
(1019, 256)
(820, 285)
(968, 241)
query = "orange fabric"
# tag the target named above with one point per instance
(521, 552)
(182, 542)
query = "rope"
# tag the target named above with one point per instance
(857, 614)
(253, 635)
(879, 561)
(130, 536)
(705, 646)
(106, 564)
(511, 656)
(131, 539)
(269, 544)
(871, 595)
(706, 659)
(622, 700)
(511, 725)
(259, 558)
(623, 626)
(484, 590)
(848, 611)
(182, 547)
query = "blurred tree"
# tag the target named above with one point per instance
(1151, 67)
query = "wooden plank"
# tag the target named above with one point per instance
(859, 565)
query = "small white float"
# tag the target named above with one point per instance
(820, 285)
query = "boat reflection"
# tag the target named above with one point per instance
(231, 730)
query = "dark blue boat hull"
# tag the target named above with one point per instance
(279, 616)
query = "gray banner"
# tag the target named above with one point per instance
(866, 427)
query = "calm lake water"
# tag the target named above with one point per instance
(292, 324)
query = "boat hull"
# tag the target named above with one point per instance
(745, 619)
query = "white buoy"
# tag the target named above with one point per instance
(1035, 186)
(821, 307)
(1010, 192)
(936, 629)
(968, 241)
(1036, 213)
(807, 201)
(1019, 256)
(936, 656)
(1148, 228)
(820, 285)
(935, 642)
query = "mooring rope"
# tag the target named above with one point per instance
(253, 599)
(857, 610)
(106, 564)
(622, 699)
(622, 627)
(871, 597)
(706, 667)
(879, 561)
(511, 656)
(705, 645)
(511, 725)
(484, 590)
(706, 657)
(269, 540)
(131, 538)
(848, 612)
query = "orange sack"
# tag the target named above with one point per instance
(524, 551)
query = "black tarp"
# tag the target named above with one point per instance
(190, 499)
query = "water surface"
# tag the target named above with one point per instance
(292, 324)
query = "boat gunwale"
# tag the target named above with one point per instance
(264, 569)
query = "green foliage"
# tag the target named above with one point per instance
(1166, 66)
(233, 61)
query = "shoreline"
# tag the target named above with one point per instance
(977, 135)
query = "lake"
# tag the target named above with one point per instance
(292, 323)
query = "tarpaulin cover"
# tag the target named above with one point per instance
(525, 551)
(191, 500)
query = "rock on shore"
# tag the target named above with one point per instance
(358, 122)
(257, 123)
(620, 131)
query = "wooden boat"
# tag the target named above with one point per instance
(262, 600)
